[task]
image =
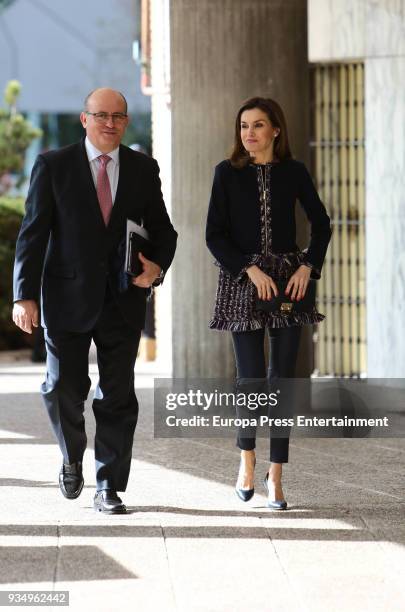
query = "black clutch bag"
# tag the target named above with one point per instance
(285, 304)
(137, 244)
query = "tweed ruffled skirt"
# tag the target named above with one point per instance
(234, 308)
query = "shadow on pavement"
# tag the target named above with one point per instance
(37, 564)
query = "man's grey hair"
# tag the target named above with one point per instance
(87, 98)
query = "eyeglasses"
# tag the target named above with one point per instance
(104, 117)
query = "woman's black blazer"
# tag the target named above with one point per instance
(233, 223)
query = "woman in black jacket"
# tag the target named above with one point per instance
(252, 235)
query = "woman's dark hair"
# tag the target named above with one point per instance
(239, 156)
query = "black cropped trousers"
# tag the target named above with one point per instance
(251, 364)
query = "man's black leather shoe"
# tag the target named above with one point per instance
(71, 479)
(107, 501)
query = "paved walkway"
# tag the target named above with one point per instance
(188, 543)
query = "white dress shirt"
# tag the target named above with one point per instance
(113, 166)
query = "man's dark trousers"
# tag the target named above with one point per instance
(115, 404)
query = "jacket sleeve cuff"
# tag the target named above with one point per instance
(315, 273)
(252, 260)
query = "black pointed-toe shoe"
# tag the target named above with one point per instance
(108, 502)
(245, 494)
(71, 479)
(273, 504)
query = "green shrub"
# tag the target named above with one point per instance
(16, 133)
(11, 213)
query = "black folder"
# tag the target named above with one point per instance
(137, 244)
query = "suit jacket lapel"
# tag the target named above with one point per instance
(125, 189)
(117, 210)
(86, 179)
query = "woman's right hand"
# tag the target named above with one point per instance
(263, 283)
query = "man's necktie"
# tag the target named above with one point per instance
(103, 188)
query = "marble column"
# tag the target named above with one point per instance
(373, 31)
(385, 189)
(222, 52)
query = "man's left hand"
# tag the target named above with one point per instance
(150, 273)
(299, 282)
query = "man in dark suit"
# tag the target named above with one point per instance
(72, 246)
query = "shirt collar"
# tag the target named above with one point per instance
(93, 152)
